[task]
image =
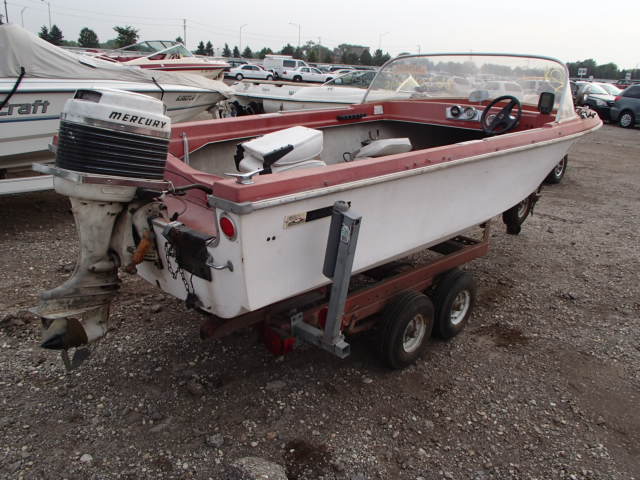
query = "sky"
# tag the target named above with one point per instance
(565, 29)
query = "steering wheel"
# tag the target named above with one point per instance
(503, 121)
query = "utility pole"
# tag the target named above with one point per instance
(184, 30)
(22, 15)
(299, 30)
(48, 6)
(6, 12)
(240, 48)
(380, 39)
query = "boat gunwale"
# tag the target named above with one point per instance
(291, 182)
(250, 206)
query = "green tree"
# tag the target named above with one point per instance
(236, 52)
(226, 51)
(298, 53)
(44, 33)
(126, 36)
(209, 49)
(88, 38)
(287, 49)
(312, 56)
(378, 57)
(366, 58)
(201, 49)
(608, 70)
(264, 52)
(109, 44)
(247, 53)
(55, 35)
(179, 40)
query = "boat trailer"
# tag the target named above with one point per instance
(391, 301)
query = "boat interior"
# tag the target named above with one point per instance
(404, 126)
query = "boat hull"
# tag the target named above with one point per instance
(275, 258)
(32, 116)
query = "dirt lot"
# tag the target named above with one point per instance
(543, 384)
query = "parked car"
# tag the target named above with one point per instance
(279, 63)
(610, 88)
(596, 97)
(626, 107)
(622, 84)
(306, 74)
(250, 71)
(498, 88)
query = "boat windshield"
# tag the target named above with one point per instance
(150, 46)
(475, 77)
(353, 79)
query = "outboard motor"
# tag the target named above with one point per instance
(110, 144)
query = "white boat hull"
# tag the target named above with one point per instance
(401, 213)
(32, 116)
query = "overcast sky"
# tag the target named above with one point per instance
(569, 30)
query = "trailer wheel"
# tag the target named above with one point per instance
(516, 215)
(406, 325)
(454, 298)
(555, 175)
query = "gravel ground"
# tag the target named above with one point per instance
(543, 384)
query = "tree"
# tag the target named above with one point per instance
(287, 49)
(312, 56)
(109, 44)
(44, 33)
(88, 38)
(201, 50)
(179, 40)
(226, 51)
(378, 57)
(247, 53)
(298, 53)
(209, 49)
(264, 52)
(55, 35)
(126, 36)
(236, 52)
(366, 58)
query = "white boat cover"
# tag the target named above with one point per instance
(41, 59)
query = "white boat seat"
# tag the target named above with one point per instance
(385, 146)
(289, 149)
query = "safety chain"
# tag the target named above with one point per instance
(170, 252)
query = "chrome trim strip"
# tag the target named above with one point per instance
(96, 179)
(111, 126)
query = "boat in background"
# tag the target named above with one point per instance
(163, 55)
(37, 78)
(346, 89)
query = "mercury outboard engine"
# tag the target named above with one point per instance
(110, 144)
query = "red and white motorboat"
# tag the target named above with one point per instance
(165, 55)
(418, 164)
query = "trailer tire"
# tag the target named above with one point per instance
(516, 215)
(454, 298)
(406, 324)
(555, 175)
